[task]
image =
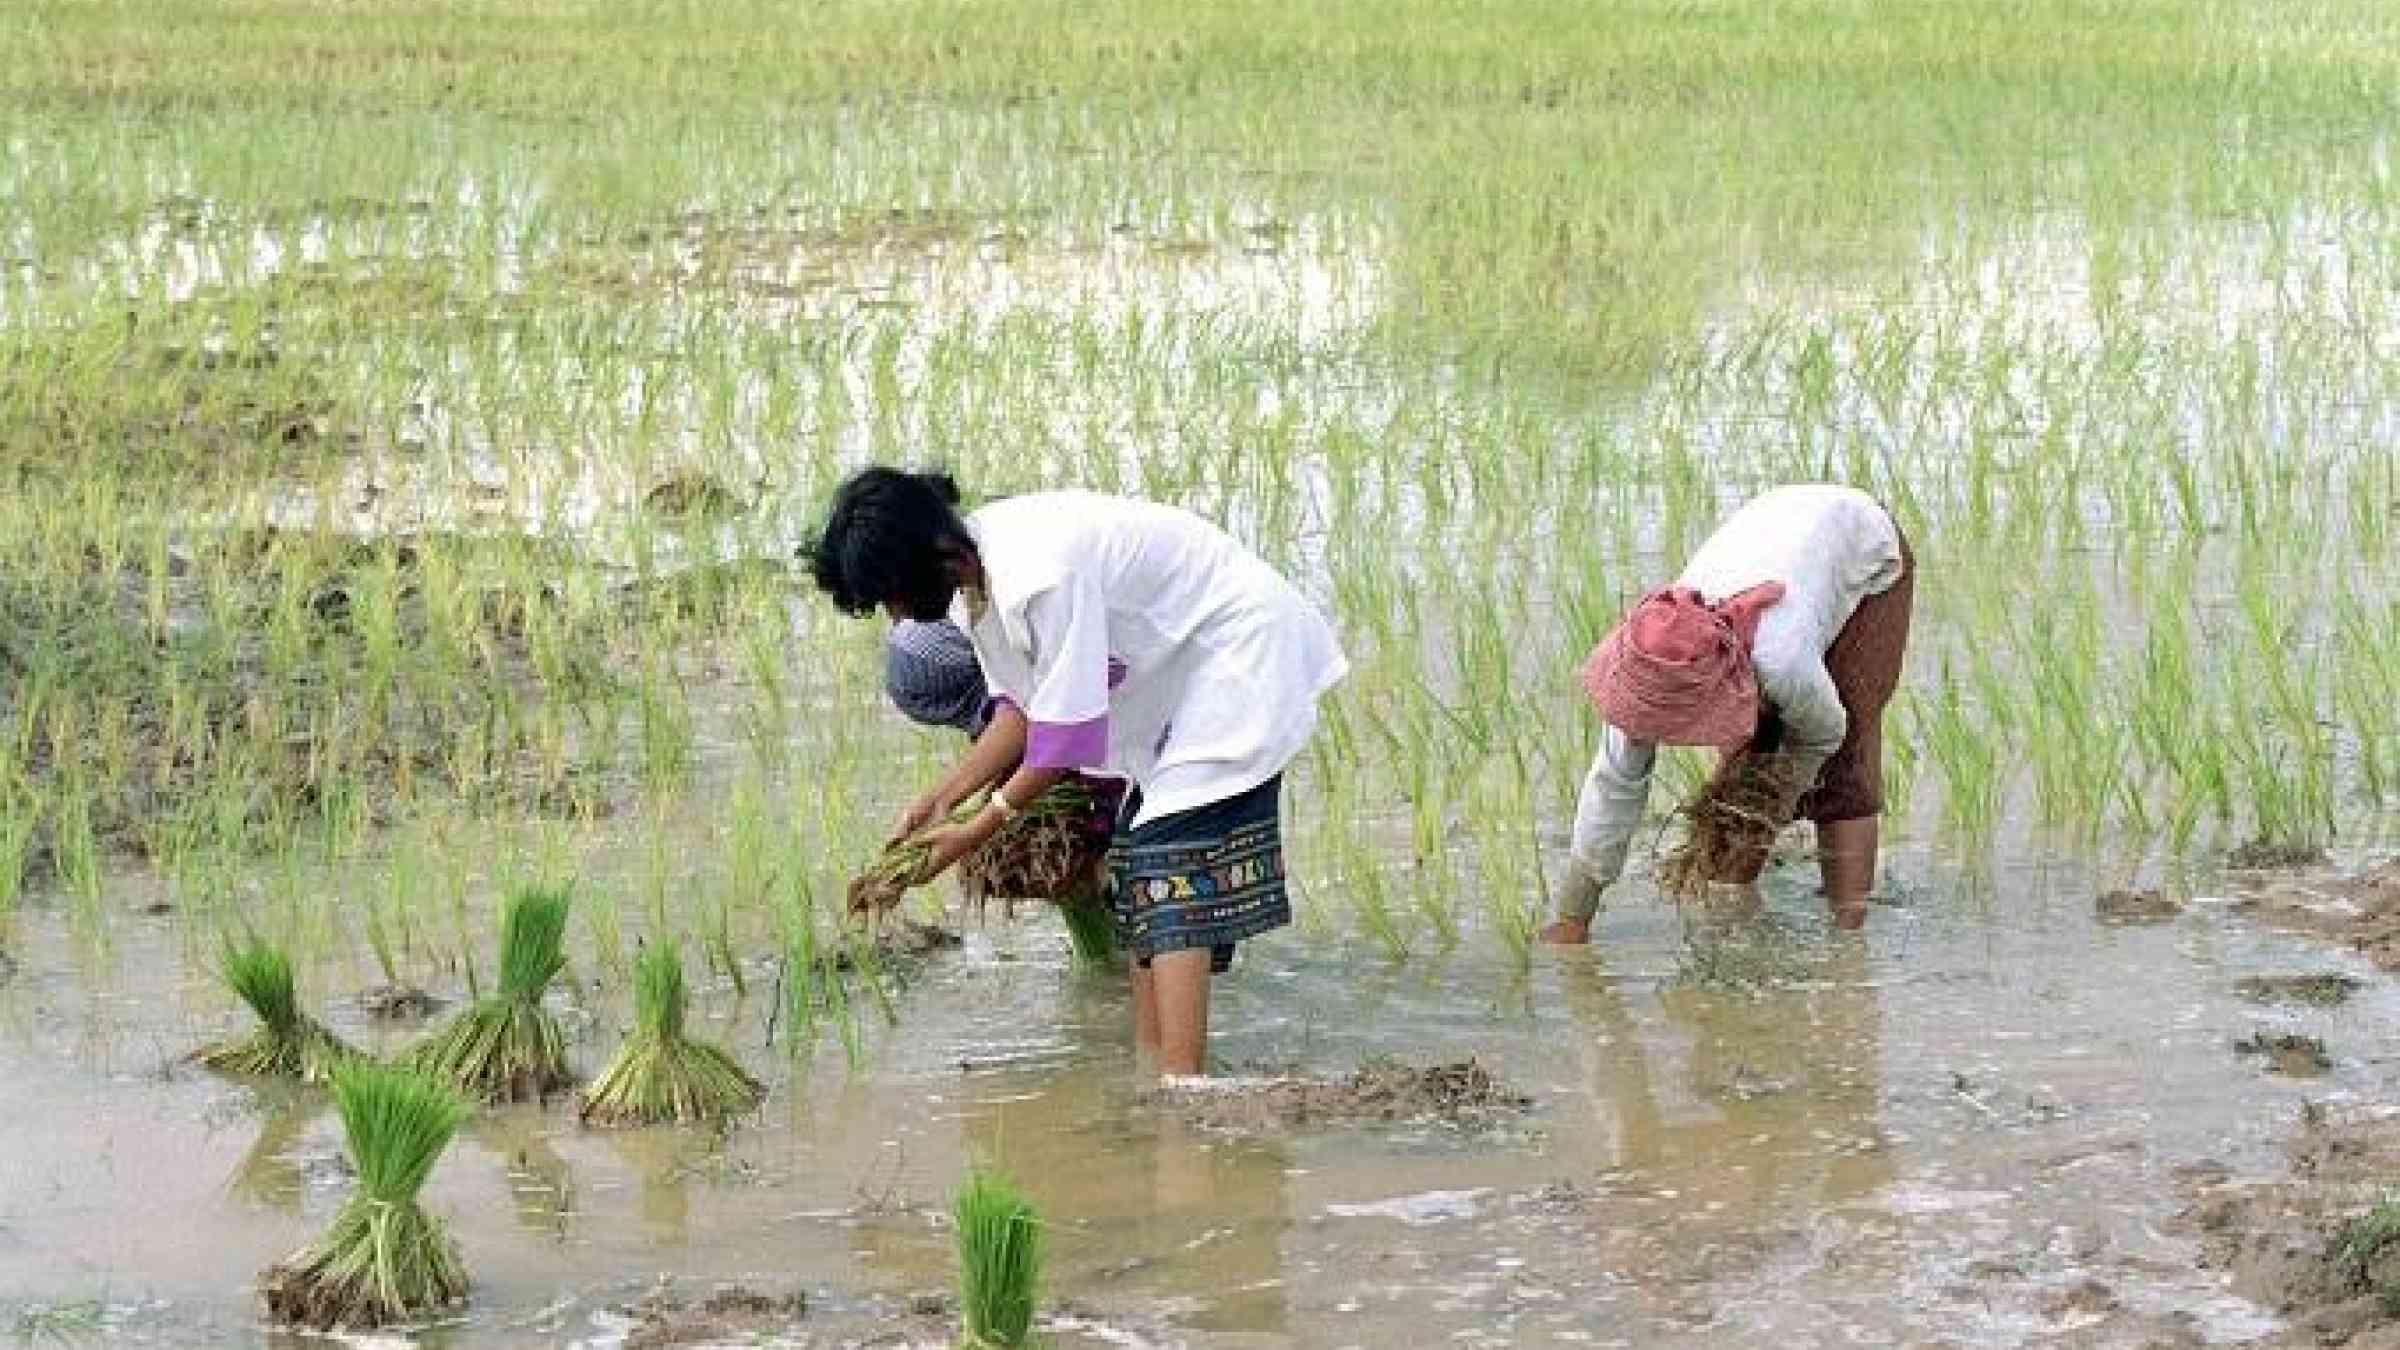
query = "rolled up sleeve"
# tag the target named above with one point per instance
(1607, 812)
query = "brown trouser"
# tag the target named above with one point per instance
(1864, 662)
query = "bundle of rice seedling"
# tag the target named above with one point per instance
(895, 870)
(1051, 849)
(508, 1047)
(999, 1260)
(660, 1074)
(288, 1042)
(384, 1260)
(1732, 823)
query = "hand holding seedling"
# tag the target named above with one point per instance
(929, 806)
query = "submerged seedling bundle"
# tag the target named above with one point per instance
(384, 1260)
(999, 1260)
(288, 1042)
(508, 1047)
(661, 1075)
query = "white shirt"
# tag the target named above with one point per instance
(1831, 547)
(1218, 661)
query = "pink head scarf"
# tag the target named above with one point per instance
(1677, 669)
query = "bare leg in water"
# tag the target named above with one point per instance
(1170, 1011)
(1846, 859)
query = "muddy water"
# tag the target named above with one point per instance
(1960, 1129)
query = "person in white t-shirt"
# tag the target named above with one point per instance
(1120, 636)
(1785, 632)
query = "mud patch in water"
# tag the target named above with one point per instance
(2361, 911)
(2119, 908)
(2287, 1053)
(732, 1315)
(1460, 1093)
(2319, 991)
(399, 1003)
(2265, 855)
(2320, 1245)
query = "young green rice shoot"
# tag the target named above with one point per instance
(508, 1047)
(999, 1261)
(288, 1042)
(384, 1260)
(661, 1075)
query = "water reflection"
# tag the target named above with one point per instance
(1140, 1208)
(271, 1174)
(1735, 1104)
(541, 1185)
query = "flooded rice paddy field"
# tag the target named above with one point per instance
(1973, 1126)
(405, 426)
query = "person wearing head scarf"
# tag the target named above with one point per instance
(1118, 636)
(931, 676)
(1785, 632)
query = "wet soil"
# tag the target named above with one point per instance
(2360, 910)
(1461, 1093)
(2318, 1243)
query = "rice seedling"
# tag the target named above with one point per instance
(999, 1260)
(288, 1042)
(661, 1075)
(508, 1047)
(1091, 924)
(384, 1260)
(1731, 824)
(1052, 849)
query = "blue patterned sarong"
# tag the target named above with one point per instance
(1208, 877)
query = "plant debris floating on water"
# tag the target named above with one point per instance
(999, 1260)
(1733, 822)
(660, 1074)
(288, 1043)
(384, 1260)
(508, 1047)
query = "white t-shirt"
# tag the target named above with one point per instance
(1831, 547)
(1216, 661)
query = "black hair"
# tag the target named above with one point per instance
(883, 541)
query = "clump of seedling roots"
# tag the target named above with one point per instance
(288, 1042)
(1732, 823)
(509, 1047)
(661, 1075)
(1055, 849)
(384, 1260)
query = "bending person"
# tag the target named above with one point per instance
(1784, 635)
(1122, 636)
